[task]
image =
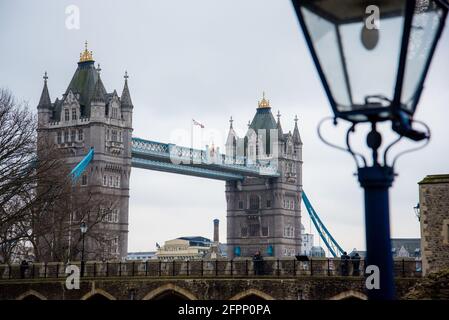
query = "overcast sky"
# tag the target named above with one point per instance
(208, 60)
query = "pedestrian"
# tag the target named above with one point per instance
(23, 268)
(355, 264)
(345, 264)
(258, 263)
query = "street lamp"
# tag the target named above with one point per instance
(417, 211)
(83, 228)
(372, 58)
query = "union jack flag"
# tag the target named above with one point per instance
(197, 123)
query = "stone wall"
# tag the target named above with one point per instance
(434, 217)
(304, 288)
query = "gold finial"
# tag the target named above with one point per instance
(86, 55)
(264, 103)
(45, 76)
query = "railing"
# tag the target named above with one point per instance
(269, 267)
(184, 155)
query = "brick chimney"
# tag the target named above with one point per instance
(216, 229)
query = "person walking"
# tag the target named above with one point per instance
(355, 259)
(345, 264)
(258, 263)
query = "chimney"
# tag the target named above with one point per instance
(216, 223)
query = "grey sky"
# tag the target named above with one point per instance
(208, 60)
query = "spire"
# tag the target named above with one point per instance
(264, 103)
(45, 101)
(278, 125)
(86, 55)
(126, 97)
(296, 135)
(232, 136)
(99, 91)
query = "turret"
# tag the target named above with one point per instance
(44, 108)
(126, 103)
(98, 102)
(231, 142)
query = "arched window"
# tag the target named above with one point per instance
(254, 202)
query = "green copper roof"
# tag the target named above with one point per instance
(263, 120)
(84, 82)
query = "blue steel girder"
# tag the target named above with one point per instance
(184, 157)
(182, 169)
(333, 246)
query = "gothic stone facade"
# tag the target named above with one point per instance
(264, 214)
(434, 217)
(88, 117)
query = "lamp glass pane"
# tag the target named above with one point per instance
(425, 25)
(325, 41)
(358, 49)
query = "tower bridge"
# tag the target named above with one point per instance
(262, 170)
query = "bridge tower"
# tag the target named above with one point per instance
(87, 117)
(264, 214)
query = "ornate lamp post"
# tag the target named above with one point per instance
(372, 58)
(83, 228)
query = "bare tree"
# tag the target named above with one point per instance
(40, 207)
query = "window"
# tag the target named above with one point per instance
(120, 136)
(110, 181)
(116, 182)
(244, 232)
(240, 204)
(264, 231)
(66, 136)
(114, 113)
(114, 245)
(107, 134)
(84, 180)
(254, 202)
(254, 230)
(289, 232)
(66, 115)
(105, 181)
(73, 135)
(73, 114)
(80, 135)
(59, 137)
(115, 213)
(268, 203)
(114, 135)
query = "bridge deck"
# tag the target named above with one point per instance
(167, 157)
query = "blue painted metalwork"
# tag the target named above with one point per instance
(181, 169)
(81, 166)
(330, 242)
(210, 159)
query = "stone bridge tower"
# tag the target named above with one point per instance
(87, 117)
(264, 214)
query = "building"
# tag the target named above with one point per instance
(142, 256)
(306, 242)
(264, 214)
(88, 116)
(317, 251)
(400, 248)
(406, 248)
(434, 219)
(184, 248)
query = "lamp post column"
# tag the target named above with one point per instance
(376, 181)
(82, 256)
